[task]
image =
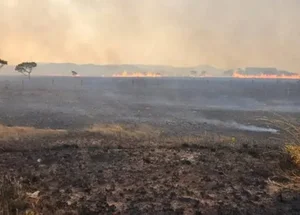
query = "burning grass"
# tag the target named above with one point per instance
(266, 76)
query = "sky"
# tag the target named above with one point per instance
(225, 34)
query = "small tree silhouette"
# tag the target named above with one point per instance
(26, 68)
(74, 74)
(2, 63)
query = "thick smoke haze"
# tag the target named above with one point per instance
(226, 34)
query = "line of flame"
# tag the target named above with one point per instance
(265, 76)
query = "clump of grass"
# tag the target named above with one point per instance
(294, 154)
(287, 178)
(12, 198)
(288, 126)
(291, 128)
(290, 133)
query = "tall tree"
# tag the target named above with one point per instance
(26, 68)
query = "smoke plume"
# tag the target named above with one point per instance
(227, 34)
(238, 126)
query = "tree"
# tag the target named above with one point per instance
(26, 68)
(74, 74)
(2, 63)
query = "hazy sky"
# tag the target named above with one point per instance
(231, 33)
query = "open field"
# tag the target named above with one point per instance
(147, 146)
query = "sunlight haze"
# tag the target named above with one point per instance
(225, 34)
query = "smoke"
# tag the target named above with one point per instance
(221, 33)
(238, 126)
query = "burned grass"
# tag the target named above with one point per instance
(130, 169)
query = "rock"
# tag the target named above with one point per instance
(33, 195)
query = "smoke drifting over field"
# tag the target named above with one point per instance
(221, 33)
(235, 125)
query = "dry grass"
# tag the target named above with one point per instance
(126, 131)
(294, 154)
(290, 133)
(13, 198)
(17, 133)
(290, 155)
(289, 127)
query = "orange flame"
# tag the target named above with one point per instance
(265, 76)
(137, 74)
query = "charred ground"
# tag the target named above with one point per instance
(153, 157)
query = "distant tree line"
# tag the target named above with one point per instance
(195, 73)
(24, 68)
